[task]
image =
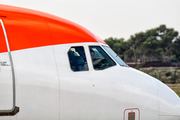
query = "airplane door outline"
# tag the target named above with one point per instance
(14, 109)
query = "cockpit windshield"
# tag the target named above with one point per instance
(115, 56)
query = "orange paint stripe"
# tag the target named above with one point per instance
(28, 29)
(3, 47)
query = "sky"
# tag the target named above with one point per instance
(110, 18)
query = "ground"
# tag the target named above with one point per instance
(175, 87)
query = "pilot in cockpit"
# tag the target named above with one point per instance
(95, 60)
(77, 60)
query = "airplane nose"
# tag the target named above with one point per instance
(169, 102)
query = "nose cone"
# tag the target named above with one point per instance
(169, 102)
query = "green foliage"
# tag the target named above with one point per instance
(118, 45)
(166, 76)
(159, 76)
(138, 67)
(157, 44)
(176, 89)
(155, 75)
(174, 78)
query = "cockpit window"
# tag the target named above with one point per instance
(77, 59)
(115, 56)
(100, 59)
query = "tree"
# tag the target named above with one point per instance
(153, 45)
(167, 42)
(177, 49)
(118, 45)
(157, 44)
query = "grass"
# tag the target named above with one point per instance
(168, 76)
(176, 89)
(171, 77)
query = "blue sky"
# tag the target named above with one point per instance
(110, 18)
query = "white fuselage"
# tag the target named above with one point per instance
(48, 89)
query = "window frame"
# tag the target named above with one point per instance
(114, 58)
(105, 52)
(84, 56)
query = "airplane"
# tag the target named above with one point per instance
(55, 69)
